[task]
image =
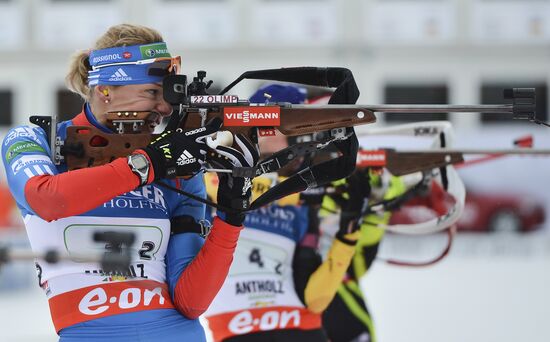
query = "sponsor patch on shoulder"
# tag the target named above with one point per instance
(22, 147)
(25, 161)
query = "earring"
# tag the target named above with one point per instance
(106, 93)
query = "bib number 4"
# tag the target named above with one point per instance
(256, 258)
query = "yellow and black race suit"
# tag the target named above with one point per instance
(347, 318)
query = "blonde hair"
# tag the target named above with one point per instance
(119, 35)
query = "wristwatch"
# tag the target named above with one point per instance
(139, 164)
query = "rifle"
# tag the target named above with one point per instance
(194, 107)
(403, 162)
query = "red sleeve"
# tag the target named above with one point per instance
(75, 192)
(202, 279)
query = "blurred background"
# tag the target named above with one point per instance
(493, 286)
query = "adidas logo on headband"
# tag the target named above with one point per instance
(120, 75)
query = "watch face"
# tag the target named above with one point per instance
(139, 162)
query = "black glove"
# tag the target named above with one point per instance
(234, 192)
(352, 203)
(180, 153)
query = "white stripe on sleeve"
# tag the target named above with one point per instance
(28, 172)
(48, 170)
(38, 170)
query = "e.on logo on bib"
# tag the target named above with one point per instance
(245, 322)
(109, 299)
(268, 318)
(97, 302)
(371, 158)
(252, 116)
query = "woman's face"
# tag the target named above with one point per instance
(136, 97)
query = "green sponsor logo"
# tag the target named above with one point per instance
(22, 147)
(154, 50)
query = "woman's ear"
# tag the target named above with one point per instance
(103, 93)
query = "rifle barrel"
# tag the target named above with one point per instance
(481, 151)
(442, 109)
(420, 108)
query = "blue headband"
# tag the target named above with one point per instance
(125, 64)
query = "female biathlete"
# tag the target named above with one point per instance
(278, 287)
(171, 280)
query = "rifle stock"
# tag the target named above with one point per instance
(400, 163)
(298, 119)
(403, 163)
(88, 146)
(304, 119)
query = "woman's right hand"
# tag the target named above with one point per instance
(179, 153)
(234, 192)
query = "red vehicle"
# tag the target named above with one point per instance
(500, 212)
(484, 212)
